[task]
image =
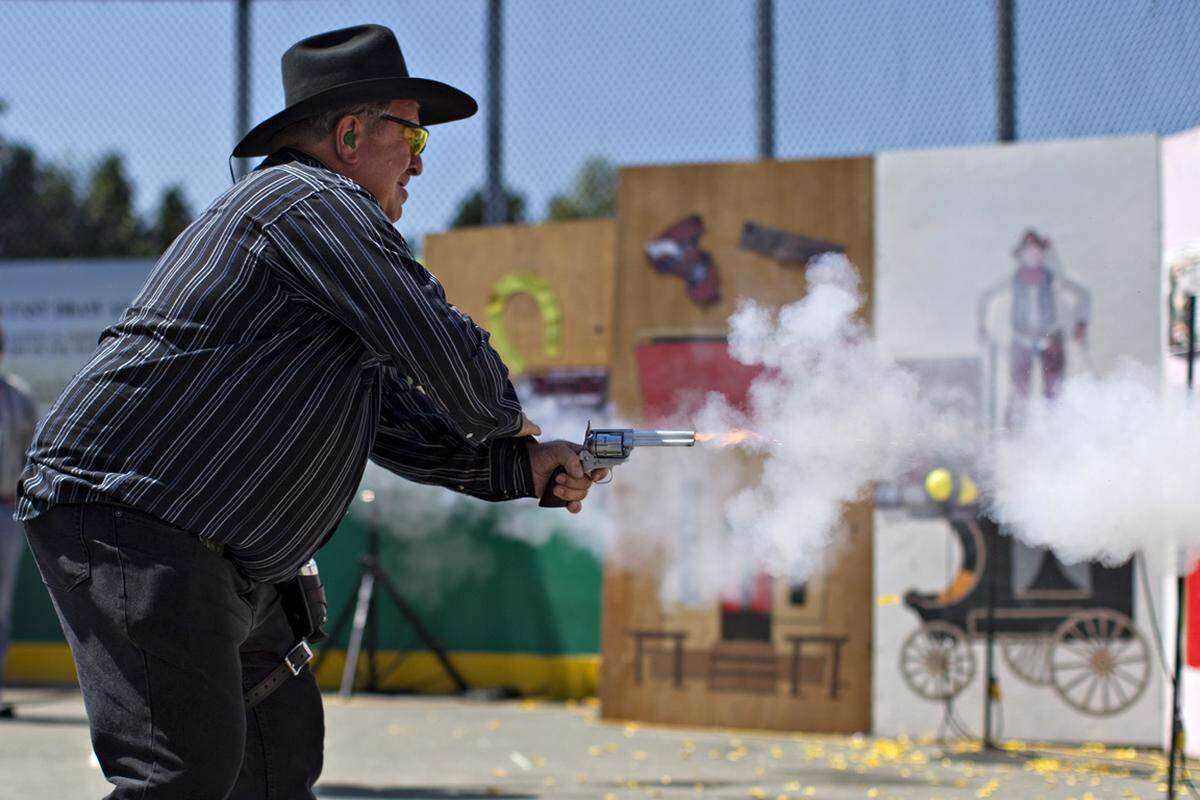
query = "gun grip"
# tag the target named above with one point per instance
(549, 498)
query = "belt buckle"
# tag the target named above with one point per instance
(298, 657)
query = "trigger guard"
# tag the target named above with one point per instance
(604, 483)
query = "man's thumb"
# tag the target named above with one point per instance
(572, 463)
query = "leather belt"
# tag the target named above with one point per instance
(293, 663)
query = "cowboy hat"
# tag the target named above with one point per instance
(344, 67)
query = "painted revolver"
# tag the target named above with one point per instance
(605, 448)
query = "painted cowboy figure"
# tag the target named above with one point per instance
(215, 438)
(1042, 302)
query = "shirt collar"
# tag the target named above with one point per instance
(286, 155)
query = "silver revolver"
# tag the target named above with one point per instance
(605, 448)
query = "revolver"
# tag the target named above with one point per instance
(605, 448)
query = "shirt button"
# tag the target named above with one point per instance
(469, 435)
(461, 487)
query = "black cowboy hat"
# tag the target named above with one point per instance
(348, 66)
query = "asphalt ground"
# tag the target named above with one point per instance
(438, 747)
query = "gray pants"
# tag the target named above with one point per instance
(166, 637)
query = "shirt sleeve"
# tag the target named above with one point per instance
(338, 249)
(414, 441)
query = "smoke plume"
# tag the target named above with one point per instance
(1106, 468)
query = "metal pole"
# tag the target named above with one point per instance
(242, 112)
(1006, 80)
(989, 670)
(493, 194)
(765, 50)
(1176, 750)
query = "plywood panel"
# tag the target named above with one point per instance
(830, 200)
(650, 672)
(576, 262)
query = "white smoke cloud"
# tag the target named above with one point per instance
(1106, 468)
(834, 414)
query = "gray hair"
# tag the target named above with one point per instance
(313, 129)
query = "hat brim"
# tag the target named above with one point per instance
(440, 103)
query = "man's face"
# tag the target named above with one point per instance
(385, 161)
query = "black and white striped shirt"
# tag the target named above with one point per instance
(285, 337)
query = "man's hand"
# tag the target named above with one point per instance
(573, 486)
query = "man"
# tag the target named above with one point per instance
(17, 418)
(216, 437)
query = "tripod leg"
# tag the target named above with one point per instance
(365, 589)
(423, 633)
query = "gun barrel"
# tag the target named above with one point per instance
(662, 438)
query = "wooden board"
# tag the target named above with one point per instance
(812, 671)
(574, 260)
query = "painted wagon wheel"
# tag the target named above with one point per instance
(937, 661)
(1100, 664)
(1029, 657)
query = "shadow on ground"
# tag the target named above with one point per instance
(41, 719)
(331, 791)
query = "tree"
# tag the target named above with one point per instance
(470, 209)
(110, 226)
(172, 217)
(43, 215)
(593, 193)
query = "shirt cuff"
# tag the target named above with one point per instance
(512, 473)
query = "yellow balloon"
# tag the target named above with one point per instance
(939, 484)
(968, 492)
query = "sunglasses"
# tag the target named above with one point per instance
(414, 134)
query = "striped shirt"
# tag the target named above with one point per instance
(285, 337)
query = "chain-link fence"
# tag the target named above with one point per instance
(110, 104)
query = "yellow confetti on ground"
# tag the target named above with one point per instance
(810, 791)
(594, 750)
(758, 792)
(872, 792)
(760, 772)
(630, 729)
(610, 796)
(612, 747)
(792, 786)
(639, 755)
(500, 773)
(776, 752)
(493, 724)
(665, 780)
(889, 599)
(529, 705)
(988, 789)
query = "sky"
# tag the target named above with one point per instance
(638, 81)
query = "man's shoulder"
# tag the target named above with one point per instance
(271, 192)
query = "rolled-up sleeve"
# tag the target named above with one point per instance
(414, 441)
(337, 249)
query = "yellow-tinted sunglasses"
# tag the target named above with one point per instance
(414, 134)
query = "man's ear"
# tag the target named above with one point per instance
(346, 138)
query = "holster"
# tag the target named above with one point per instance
(304, 603)
(306, 609)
